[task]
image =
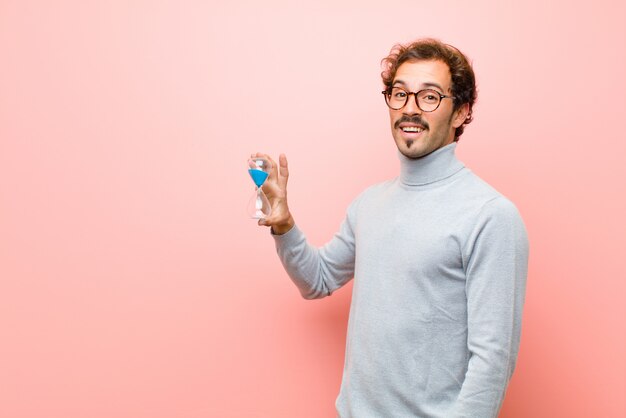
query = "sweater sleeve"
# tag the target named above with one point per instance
(318, 272)
(496, 262)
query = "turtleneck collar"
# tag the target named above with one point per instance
(438, 165)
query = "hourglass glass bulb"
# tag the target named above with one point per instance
(259, 206)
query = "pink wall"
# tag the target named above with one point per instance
(131, 282)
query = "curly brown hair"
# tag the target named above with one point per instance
(463, 79)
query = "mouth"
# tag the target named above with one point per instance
(411, 125)
(412, 129)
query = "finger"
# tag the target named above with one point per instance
(284, 170)
(260, 155)
(273, 169)
(273, 173)
(266, 222)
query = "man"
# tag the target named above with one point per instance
(439, 258)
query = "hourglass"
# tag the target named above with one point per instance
(259, 169)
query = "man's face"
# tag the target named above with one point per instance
(434, 129)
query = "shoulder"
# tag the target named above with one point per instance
(497, 228)
(483, 205)
(501, 209)
(483, 195)
(500, 223)
(370, 194)
(475, 187)
(375, 190)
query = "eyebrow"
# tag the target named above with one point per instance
(424, 85)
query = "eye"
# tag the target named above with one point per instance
(429, 97)
(397, 93)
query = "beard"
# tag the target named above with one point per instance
(427, 142)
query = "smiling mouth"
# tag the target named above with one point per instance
(416, 129)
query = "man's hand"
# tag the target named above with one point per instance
(275, 188)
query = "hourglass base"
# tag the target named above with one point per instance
(259, 207)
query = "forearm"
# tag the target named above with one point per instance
(317, 272)
(301, 262)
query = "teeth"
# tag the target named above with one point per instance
(412, 129)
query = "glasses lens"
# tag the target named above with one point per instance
(396, 98)
(428, 100)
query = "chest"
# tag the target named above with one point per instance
(417, 234)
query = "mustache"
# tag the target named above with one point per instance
(411, 119)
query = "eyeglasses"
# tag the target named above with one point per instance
(427, 100)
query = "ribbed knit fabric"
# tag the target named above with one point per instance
(439, 260)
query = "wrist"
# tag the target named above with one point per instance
(283, 227)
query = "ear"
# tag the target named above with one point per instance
(461, 115)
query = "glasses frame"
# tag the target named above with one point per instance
(387, 94)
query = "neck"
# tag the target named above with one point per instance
(436, 166)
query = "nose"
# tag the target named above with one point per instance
(411, 107)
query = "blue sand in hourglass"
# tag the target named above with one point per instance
(258, 176)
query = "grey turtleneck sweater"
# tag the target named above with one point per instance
(439, 260)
